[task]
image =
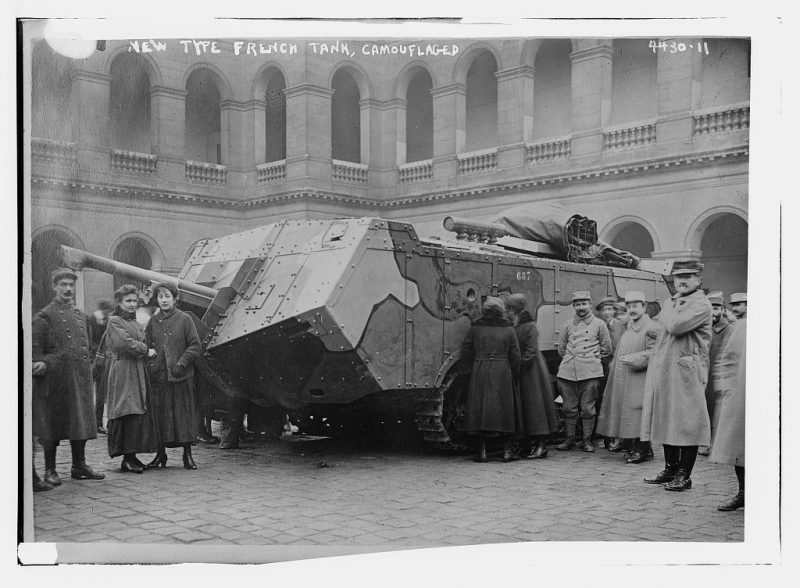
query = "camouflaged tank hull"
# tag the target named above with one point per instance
(325, 315)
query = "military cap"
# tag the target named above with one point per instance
(716, 298)
(61, 273)
(620, 306)
(493, 304)
(738, 297)
(686, 266)
(605, 300)
(581, 295)
(635, 296)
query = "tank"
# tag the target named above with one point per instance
(345, 321)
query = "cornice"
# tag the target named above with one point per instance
(607, 172)
(591, 53)
(312, 89)
(520, 71)
(157, 91)
(454, 88)
(91, 76)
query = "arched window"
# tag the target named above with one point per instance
(634, 87)
(634, 238)
(45, 257)
(552, 90)
(419, 117)
(275, 114)
(481, 100)
(50, 94)
(203, 138)
(345, 118)
(725, 72)
(724, 253)
(132, 251)
(130, 104)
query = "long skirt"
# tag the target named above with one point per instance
(133, 433)
(176, 414)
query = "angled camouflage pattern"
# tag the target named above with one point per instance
(327, 312)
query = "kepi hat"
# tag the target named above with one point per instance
(635, 296)
(493, 304)
(603, 301)
(61, 273)
(686, 266)
(738, 297)
(581, 295)
(716, 298)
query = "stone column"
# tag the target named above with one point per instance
(398, 112)
(168, 108)
(679, 79)
(449, 128)
(514, 114)
(591, 95)
(236, 140)
(257, 115)
(90, 101)
(308, 144)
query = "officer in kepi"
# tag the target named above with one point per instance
(66, 407)
(739, 305)
(674, 409)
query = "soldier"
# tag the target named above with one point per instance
(97, 328)
(739, 305)
(583, 343)
(673, 411)
(722, 331)
(621, 413)
(606, 310)
(60, 332)
(729, 376)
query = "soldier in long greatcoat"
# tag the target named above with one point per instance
(729, 377)
(537, 408)
(674, 410)
(491, 346)
(65, 409)
(621, 413)
(721, 333)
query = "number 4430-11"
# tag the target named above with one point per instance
(677, 46)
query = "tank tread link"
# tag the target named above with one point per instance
(343, 315)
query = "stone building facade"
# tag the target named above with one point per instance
(137, 155)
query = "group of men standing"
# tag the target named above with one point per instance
(676, 379)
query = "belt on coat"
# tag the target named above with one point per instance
(491, 357)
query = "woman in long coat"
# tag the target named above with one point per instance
(131, 423)
(491, 345)
(537, 408)
(729, 384)
(172, 335)
(621, 413)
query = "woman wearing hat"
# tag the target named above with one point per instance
(537, 408)
(491, 345)
(131, 423)
(173, 336)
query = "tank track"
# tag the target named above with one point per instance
(437, 416)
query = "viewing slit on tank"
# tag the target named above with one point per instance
(340, 321)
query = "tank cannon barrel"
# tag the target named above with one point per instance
(474, 230)
(78, 260)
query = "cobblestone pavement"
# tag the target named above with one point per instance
(297, 492)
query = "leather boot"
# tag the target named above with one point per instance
(159, 461)
(666, 475)
(734, 503)
(639, 453)
(481, 456)
(681, 482)
(540, 452)
(616, 446)
(569, 441)
(80, 470)
(508, 452)
(188, 462)
(50, 474)
(587, 445)
(40, 485)
(129, 464)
